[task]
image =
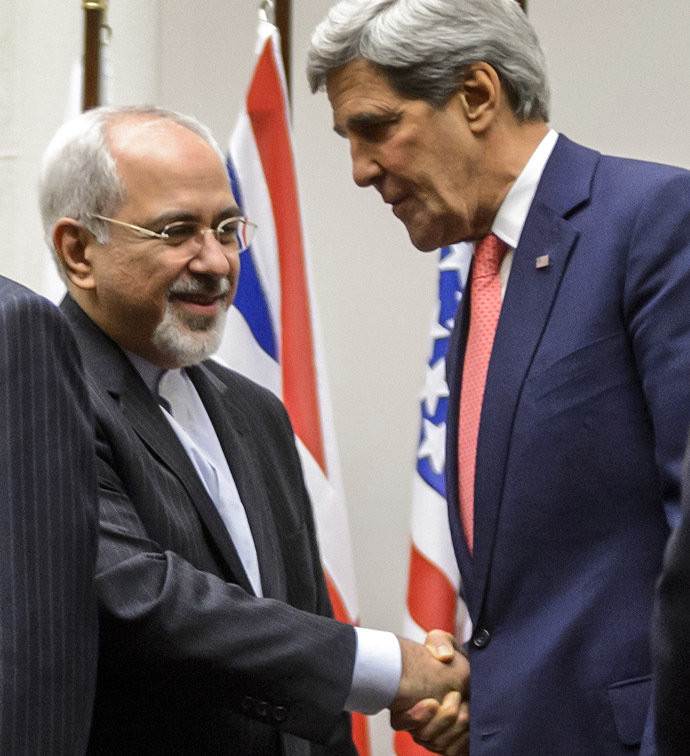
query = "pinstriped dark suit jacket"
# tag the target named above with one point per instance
(191, 661)
(48, 631)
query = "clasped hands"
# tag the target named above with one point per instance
(432, 702)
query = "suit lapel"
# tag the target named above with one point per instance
(148, 422)
(524, 315)
(110, 370)
(564, 186)
(454, 361)
(240, 452)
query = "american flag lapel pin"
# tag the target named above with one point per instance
(542, 261)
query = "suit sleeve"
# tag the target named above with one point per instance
(656, 297)
(657, 293)
(48, 615)
(670, 634)
(339, 740)
(162, 613)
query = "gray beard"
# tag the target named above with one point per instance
(188, 339)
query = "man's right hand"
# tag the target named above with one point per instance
(430, 672)
(432, 702)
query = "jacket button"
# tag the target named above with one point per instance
(261, 708)
(279, 713)
(481, 638)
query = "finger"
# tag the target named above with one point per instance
(449, 726)
(440, 644)
(461, 747)
(416, 716)
(445, 718)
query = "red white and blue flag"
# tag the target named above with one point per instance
(433, 583)
(273, 334)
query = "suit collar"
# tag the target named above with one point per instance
(566, 183)
(103, 358)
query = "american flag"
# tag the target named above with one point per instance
(272, 334)
(433, 584)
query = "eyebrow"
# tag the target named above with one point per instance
(362, 121)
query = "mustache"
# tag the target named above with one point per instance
(207, 285)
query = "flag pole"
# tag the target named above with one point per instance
(94, 20)
(284, 24)
(279, 13)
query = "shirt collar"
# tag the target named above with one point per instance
(512, 214)
(151, 374)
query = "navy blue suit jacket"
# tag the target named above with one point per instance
(582, 432)
(48, 510)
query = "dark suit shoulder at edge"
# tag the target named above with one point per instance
(237, 382)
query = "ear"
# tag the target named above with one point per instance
(72, 244)
(481, 95)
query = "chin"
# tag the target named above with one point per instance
(435, 234)
(427, 231)
(424, 242)
(190, 340)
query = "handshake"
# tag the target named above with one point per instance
(432, 702)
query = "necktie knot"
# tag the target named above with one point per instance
(488, 256)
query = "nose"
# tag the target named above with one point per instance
(365, 169)
(213, 258)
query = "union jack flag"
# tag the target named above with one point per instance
(273, 334)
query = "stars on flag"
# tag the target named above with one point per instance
(433, 445)
(435, 386)
(458, 260)
(439, 330)
(431, 455)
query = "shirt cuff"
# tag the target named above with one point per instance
(376, 676)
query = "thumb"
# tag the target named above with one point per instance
(441, 645)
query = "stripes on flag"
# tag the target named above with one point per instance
(434, 581)
(272, 335)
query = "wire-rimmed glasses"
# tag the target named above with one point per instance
(236, 232)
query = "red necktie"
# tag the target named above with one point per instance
(485, 307)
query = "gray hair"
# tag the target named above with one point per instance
(424, 46)
(78, 174)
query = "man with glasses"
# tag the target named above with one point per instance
(215, 628)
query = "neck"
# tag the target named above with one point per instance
(508, 149)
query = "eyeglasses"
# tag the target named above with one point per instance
(236, 233)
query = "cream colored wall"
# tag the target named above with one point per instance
(618, 72)
(618, 75)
